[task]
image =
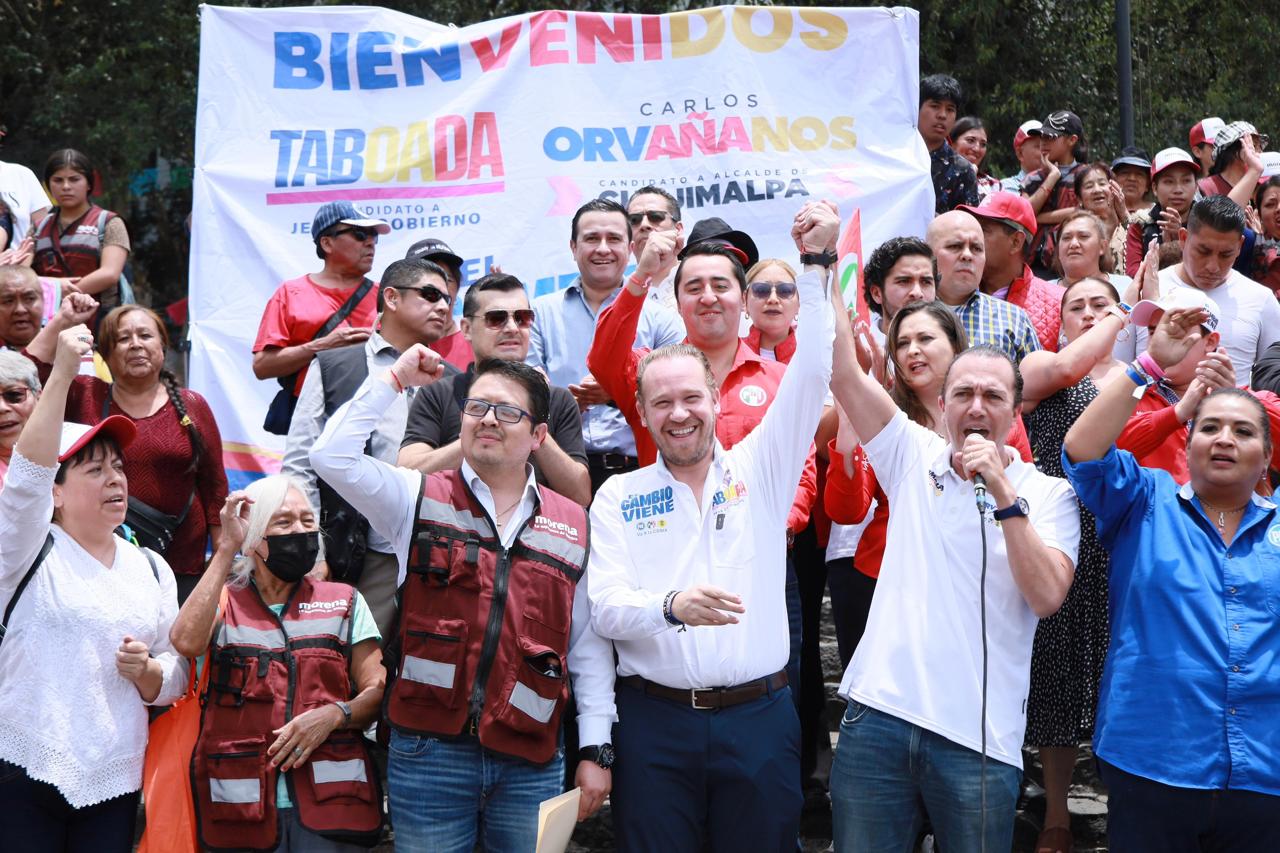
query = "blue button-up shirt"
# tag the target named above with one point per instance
(1191, 687)
(560, 340)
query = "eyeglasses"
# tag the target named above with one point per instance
(15, 396)
(656, 217)
(497, 318)
(427, 292)
(504, 413)
(762, 289)
(360, 234)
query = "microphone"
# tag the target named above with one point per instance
(979, 491)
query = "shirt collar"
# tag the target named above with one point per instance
(1262, 503)
(378, 344)
(784, 350)
(576, 289)
(479, 486)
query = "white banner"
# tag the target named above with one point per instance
(490, 137)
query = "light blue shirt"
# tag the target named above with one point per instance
(1190, 691)
(560, 340)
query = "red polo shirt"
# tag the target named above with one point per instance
(747, 391)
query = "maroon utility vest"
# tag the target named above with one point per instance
(78, 251)
(483, 638)
(267, 670)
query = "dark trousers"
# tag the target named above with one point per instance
(1145, 815)
(815, 740)
(792, 592)
(689, 780)
(851, 593)
(35, 818)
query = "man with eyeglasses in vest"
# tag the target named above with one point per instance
(496, 319)
(494, 617)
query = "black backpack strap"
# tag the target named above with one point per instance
(332, 323)
(22, 584)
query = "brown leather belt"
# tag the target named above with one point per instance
(709, 698)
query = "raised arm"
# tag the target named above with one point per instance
(1045, 373)
(76, 309)
(380, 492)
(864, 399)
(1101, 423)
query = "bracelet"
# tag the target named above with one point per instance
(1149, 366)
(641, 283)
(396, 379)
(1118, 312)
(1139, 378)
(667, 613)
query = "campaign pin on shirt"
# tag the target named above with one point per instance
(937, 483)
(1273, 535)
(753, 395)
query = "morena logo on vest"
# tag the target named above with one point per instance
(568, 531)
(308, 606)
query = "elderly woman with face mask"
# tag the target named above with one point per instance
(86, 640)
(280, 763)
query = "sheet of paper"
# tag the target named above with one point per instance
(556, 819)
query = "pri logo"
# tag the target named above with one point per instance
(1273, 535)
(753, 395)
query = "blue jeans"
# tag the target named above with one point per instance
(444, 794)
(885, 767)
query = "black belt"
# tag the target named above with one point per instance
(612, 461)
(709, 698)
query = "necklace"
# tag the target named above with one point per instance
(503, 513)
(1222, 513)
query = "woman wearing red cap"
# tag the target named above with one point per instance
(86, 647)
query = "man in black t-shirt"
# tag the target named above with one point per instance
(496, 319)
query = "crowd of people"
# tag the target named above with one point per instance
(583, 540)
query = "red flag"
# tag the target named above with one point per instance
(850, 265)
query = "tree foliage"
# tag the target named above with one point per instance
(117, 79)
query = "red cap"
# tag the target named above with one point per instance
(75, 435)
(1010, 208)
(1204, 131)
(1172, 157)
(1025, 131)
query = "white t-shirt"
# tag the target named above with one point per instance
(920, 659)
(1250, 318)
(23, 194)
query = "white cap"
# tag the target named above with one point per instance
(1179, 297)
(1171, 157)
(76, 435)
(1270, 165)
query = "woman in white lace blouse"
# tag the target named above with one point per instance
(86, 647)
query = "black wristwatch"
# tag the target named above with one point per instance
(821, 259)
(602, 755)
(1014, 510)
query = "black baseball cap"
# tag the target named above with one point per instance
(432, 249)
(1132, 155)
(716, 230)
(1062, 123)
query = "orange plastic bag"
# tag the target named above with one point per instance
(166, 772)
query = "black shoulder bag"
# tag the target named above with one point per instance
(150, 527)
(280, 412)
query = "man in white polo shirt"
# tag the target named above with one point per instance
(688, 561)
(1250, 313)
(944, 637)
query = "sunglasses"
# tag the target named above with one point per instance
(15, 396)
(762, 289)
(360, 234)
(427, 292)
(497, 318)
(656, 217)
(504, 413)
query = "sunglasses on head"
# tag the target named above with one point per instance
(497, 318)
(656, 217)
(503, 412)
(427, 292)
(15, 396)
(360, 234)
(762, 289)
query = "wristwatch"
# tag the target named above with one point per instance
(346, 712)
(1014, 510)
(822, 259)
(601, 755)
